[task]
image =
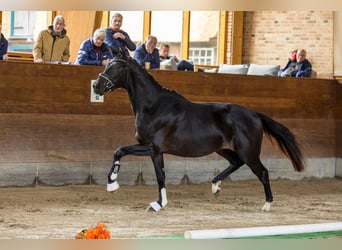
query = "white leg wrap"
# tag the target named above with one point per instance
(267, 206)
(155, 206)
(215, 187)
(163, 196)
(113, 176)
(111, 187)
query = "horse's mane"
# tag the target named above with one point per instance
(140, 70)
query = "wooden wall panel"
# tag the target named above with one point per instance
(80, 26)
(46, 114)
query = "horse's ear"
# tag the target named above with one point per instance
(121, 51)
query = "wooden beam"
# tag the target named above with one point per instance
(237, 37)
(105, 22)
(185, 35)
(147, 24)
(221, 57)
(97, 20)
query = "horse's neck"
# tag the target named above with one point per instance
(143, 93)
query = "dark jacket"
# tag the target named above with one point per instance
(117, 44)
(304, 68)
(88, 55)
(141, 56)
(3, 46)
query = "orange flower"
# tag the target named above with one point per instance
(98, 232)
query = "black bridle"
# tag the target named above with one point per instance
(109, 85)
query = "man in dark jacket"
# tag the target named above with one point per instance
(118, 39)
(3, 46)
(94, 51)
(299, 68)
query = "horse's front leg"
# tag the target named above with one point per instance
(158, 163)
(140, 150)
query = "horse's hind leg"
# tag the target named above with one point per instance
(158, 163)
(235, 164)
(261, 172)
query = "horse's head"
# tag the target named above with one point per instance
(113, 75)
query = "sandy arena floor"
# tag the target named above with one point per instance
(46, 212)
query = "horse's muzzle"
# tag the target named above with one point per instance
(96, 87)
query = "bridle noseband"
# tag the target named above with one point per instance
(109, 85)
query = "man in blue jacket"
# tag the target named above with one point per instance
(118, 39)
(147, 52)
(301, 67)
(94, 51)
(3, 46)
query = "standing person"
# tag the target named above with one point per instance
(52, 45)
(116, 38)
(181, 64)
(94, 51)
(147, 52)
(3, 46)
(300, 68)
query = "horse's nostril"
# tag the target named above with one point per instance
(95, 85)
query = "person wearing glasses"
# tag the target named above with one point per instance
(53, 44)
(297, 66)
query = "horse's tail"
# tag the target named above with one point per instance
(286, 141)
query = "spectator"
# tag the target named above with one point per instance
(118, 39)
(181, 64)
(147, 52)
(297, 66)
(52, 45)
(3, 46)
(94, 51)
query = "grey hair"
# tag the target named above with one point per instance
(99, 33)
(59, 17)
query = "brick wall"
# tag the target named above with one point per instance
(270, 36)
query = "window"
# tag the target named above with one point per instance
(22, 23)
(203, 56)
(21, 27)
(167, 27)
(204, 31)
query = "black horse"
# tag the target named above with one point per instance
(168, 123)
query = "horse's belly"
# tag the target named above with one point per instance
(195, 146)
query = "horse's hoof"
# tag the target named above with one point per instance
(153, 207)
(215, 187)
(217, 194)
(267, 207)
(111, 187)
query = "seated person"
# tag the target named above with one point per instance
(94, 51)
(3, 46)
(180, 64)
(147, 52)
(297, 66)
